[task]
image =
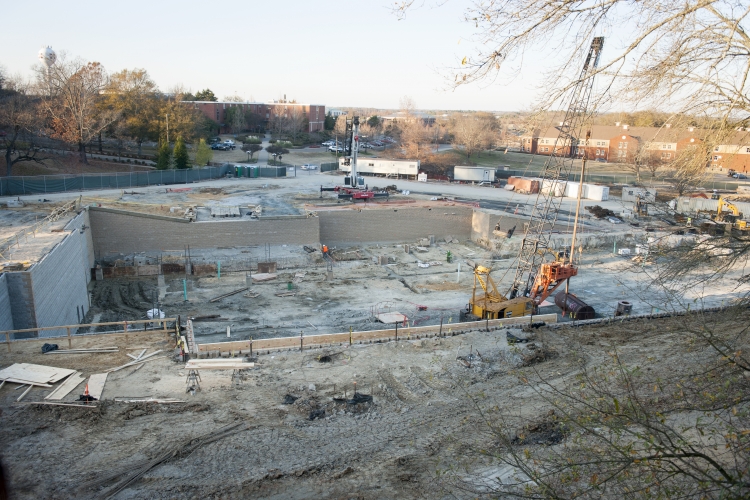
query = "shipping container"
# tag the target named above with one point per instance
(553, 187)
(525, 184)
(596, 192)
(473, 174)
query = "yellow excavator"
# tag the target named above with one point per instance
(492, 304)
(731, 215)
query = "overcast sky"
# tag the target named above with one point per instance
(332, 52)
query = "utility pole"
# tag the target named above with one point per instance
(167, 128)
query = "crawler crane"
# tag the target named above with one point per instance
(536, 276)
(353, 188)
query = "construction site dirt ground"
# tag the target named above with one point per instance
(423, 414)
(360, 289)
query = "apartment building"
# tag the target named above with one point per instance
(621, 143)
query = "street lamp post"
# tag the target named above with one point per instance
(274, 158)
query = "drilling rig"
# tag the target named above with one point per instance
(354, 185)
(536, 276)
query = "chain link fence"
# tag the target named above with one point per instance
(43, 184)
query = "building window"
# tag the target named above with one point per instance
(623, 145)
(716, 148)
(747, 150)
(597, 152)
(716, 157)
(666, 156)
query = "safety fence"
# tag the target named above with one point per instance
(126, 328)
(44, 184)
(396, 333)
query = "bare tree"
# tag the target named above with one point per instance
(20, 119)
(696, 48)
(473, 132)
(72, 104)
(415, 138)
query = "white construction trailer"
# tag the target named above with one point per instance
(473, 174)
(384, 167)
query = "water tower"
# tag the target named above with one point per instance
(47, 56)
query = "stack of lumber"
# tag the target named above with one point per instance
(218, 364)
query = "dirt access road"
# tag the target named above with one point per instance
(421, 415)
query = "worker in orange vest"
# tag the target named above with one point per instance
(325, 249)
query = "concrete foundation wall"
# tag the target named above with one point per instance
(6, 317)
(21, 295)
(349, 227)
(60, 279)
(483, 224)
(116, 231)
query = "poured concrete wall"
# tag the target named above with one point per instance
(54, 291)
(21, 294)
(350, 227)
(6, 317)
(60, 279)
(118, 231)
(483, 224)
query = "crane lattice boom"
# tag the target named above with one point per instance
(555, 175)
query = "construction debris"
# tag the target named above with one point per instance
(143, 359)
(133, 472)
(55, 404)
(264, 276)
(216, 299)
(285, 294)
(150, 400)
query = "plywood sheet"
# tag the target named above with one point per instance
(35, 373)
(66, 387)
(391, 317)
(96, 384)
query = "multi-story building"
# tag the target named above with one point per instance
(314, 114)
(622, 143)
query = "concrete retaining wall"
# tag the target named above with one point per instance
(6, 317)
(54, 290)
(60, 279)
(119, 231)
(21, 294)
(349, 227)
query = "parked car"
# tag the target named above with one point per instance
(329, 143)
(739, 176)
(220, 146)
(335, 149)
(308, 166)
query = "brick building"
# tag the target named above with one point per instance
(315, 114)
(621, 143)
